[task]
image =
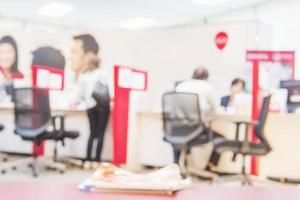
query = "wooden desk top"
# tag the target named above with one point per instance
(47, 191)
(9, 108)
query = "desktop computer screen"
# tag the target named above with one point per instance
(293, 100)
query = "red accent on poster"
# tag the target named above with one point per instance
(53, 79)
(47, 83)
(221, 40)
(126, 79)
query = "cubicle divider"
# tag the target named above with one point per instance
(126, 79)
(257, 58)
(48, 78)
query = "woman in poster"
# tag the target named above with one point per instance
(8, 63)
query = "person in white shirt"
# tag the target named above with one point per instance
(199, 85)
(87, 78)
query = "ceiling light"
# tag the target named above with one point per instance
(55, 9)
(137, 23)
(210, 3)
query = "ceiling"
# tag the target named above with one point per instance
(107, 14)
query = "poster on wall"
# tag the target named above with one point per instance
(221, 40)
(273, 68)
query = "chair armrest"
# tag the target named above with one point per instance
(247, 122)
(58, 130)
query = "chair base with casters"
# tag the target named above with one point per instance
(244, 178)
(68, 161)
(34, 163)
(3, 157)
(190, 170)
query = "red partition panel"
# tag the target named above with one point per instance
(36, 69)
(256, 57)
(124, 82)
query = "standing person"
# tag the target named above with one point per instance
(9, 63)
(91, 91)
(199, 85)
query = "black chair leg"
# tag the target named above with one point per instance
(33, 167)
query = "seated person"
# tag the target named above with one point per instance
(237, 86)
(199, 84)
(8, 64)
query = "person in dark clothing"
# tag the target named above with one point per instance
(214, 158)
(92, 91)
(237, 86)
(98, 118)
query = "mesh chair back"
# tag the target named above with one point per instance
(181, 113)
(32, 109)
(263, 115)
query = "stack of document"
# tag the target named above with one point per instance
(111, 178)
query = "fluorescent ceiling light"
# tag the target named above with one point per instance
(210, 3)
(137, 23)
(55, 9)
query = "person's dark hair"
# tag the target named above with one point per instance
(49, 57)
(237, 81)
(89, 43)
(10, 40)
(200, 73)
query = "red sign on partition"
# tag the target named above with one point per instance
(47, 77)
(221, 40)
(256, 57)
(271, 56)
(126, 79)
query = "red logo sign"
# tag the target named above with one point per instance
(221, 40)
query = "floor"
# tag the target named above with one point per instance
(24, 173)
(65, 186)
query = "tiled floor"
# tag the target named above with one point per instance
(24, 173)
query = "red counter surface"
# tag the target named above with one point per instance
(47, 191)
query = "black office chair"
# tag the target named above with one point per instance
(33, 122)
(245, 147)
(183, 126)
(3, 156)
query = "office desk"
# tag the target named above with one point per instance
(47, 191)
(281, 130)
(76, 119)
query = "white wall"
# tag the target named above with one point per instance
(167, 54)
(281, 15)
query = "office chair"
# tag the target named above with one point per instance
(33, 122)
(3, 156)
(183, 127)
(245, 147)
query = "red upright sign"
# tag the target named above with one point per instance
(256, 57)
(126, 79)
(48, 78)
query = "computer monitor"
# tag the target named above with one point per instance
(293, 100)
